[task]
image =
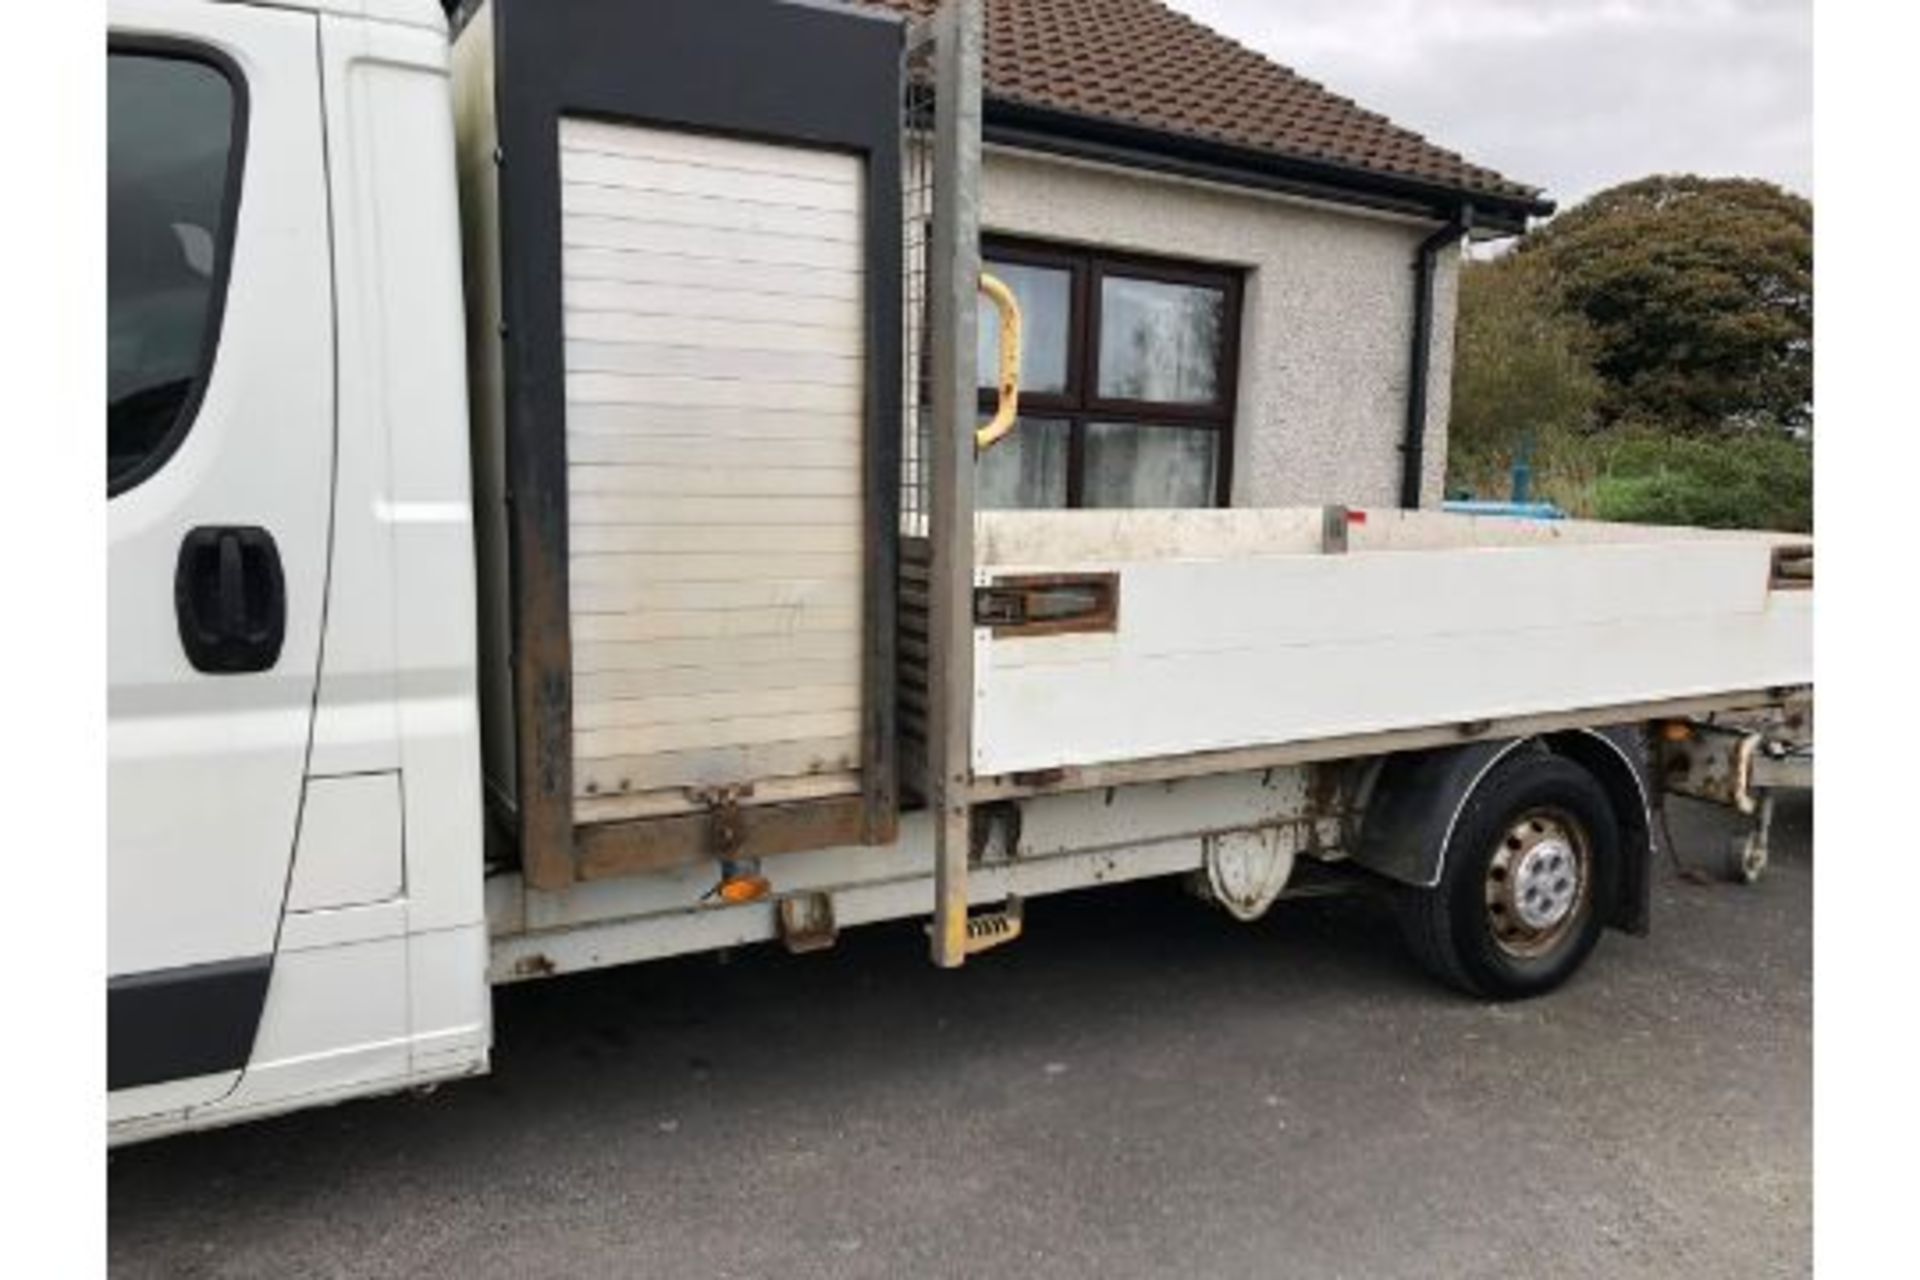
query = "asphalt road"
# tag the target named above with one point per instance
(1140, 1087)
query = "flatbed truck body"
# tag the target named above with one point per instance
(553, 546)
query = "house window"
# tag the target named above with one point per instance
(1128, 368)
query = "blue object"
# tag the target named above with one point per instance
(1523, 474)
(1517, 510)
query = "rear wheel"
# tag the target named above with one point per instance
(1529, 870)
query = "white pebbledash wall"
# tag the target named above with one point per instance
(1327, 327)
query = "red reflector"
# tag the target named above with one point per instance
(1356, 517)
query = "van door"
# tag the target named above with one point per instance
(219, 460)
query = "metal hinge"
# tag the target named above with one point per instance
(807, 923)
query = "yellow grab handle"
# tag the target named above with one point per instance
(1008, 409)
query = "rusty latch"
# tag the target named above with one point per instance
(1792, 568)
(726, 826)
(1048, 604)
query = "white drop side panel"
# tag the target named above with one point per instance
(715, 344)
(1216, 651)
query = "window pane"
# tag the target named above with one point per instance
(1026, 469)
(1160, 341)
(169, 130)
(1046, 304)
(1134, 466)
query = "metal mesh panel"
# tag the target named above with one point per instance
(916, 167)
(916, 406)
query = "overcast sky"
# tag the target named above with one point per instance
(1572, 95)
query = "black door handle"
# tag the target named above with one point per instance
(230, 599)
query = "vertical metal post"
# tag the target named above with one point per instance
(954, 279)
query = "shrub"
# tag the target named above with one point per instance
(1750, 480)
(1521, 364)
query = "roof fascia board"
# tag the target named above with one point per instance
(1409, 215)
(1063, 133)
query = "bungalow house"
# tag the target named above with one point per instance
(1238, 286)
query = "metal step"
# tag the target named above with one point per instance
(988, 929)
(985, 930)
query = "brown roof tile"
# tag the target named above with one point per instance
(1137, 62)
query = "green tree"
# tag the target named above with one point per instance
(1699, 296)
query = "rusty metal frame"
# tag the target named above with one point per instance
(1711, 762)
(611, 849)
(809, 76)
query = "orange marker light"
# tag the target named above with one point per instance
(748, 888)
(1676, 731)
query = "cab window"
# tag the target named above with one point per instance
(174, 124)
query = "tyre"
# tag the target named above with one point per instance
(1529, 872)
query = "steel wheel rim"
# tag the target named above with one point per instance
(1538, 882)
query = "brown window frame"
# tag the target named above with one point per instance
(1087, 267)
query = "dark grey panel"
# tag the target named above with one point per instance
(174, 1024)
